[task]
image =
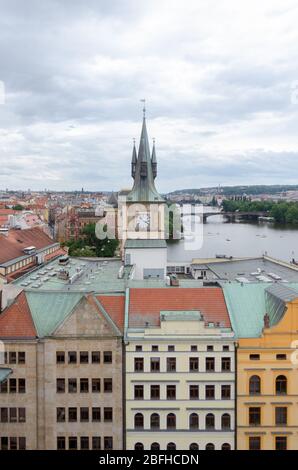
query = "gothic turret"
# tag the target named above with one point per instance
(134, 161)
(154, 161)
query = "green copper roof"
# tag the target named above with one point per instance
(49, 309)
(4, 373)
(142, 171)
(138, 243)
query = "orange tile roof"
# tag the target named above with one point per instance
(114, 305)
(145, 304)
(16, 320)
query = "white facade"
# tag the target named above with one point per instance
(147, 262)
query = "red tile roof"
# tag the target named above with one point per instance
(12, 245)
(16, 320)
(145, 304)
(114, 305)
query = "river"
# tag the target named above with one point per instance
(240, 239)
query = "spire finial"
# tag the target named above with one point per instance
(144, 107)
(134, 141)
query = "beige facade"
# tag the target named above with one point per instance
(180, 386)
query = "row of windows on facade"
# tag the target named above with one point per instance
(83, 414)
(281, 416)
(12, 415)
(171, 364)
(72, 357)
(255, 385)
(171, 348)
(281, 443)
(13, 443)
(278, 357)
(85, 443)
(171, 392)
(85, 385)
(172, 446)
(13, 386)
(193, 421)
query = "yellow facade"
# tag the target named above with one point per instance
(273, 358)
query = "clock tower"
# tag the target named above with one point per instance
(143, 215)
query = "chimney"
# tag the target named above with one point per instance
(266, 321)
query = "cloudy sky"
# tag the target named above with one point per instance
(220, 80)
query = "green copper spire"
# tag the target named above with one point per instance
(145, 172)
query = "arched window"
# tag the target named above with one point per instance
(193, 421)
(254, 385)
(171, 446)
(171, 421)
(154, 421)
(139, 446)
(139, 421)
(155, 446)
(210, 421)
(194, 446)
(226, 446)
(281, 385)
(210, 446)
(226, 421)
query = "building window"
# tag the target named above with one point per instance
(95, 385)
(21, 357)
(108, 415)
(193, 421)
(139, 392)
(13, 418)
(154, 348)
(281, 385)
(281, 415)
(139, 364)
(108, 443)
(154, 421)
(60, 357)
(72, 443)
(84, 385)
(12, 357)
(22, 385)
(107, 357)
(225, 364)
(61, 443)
(281, 443)
(84, 414)
(139, 446)
(4, 415)
(281, 357)
(210, 348)
(96, 417)
(4, 387)
(12, 385)
(254, 385)
(193, 348)
(226, 421)
(254, 416)
(84, 357)
(60, 412)
(171, 421)
(193, 364)
(210, 446)
(155, 446)
(72, 415)
(171, 392)
(72, 357)
(226, 446)
(225, 392)
(84, 442)
(139, 421)
(210, 364)
(210, 392)
(155, 392)
(254, 443)
(171, 348)
(60, 385)
(139, 348)
(194, 392)
(171, 446)
(171, 364)
(72, 385)
(22, 415)
(96, 443)
(194, 446)
(254, 357)
(95, 357)
(226, 348)
(210, 421)
(107, 385)
(155, 364)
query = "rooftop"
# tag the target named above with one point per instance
(138, 243)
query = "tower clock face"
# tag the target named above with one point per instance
(143, 221)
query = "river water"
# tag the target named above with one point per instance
(240, 239)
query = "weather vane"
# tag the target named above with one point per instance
(144, 107)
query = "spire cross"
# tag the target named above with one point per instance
(144, 107)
